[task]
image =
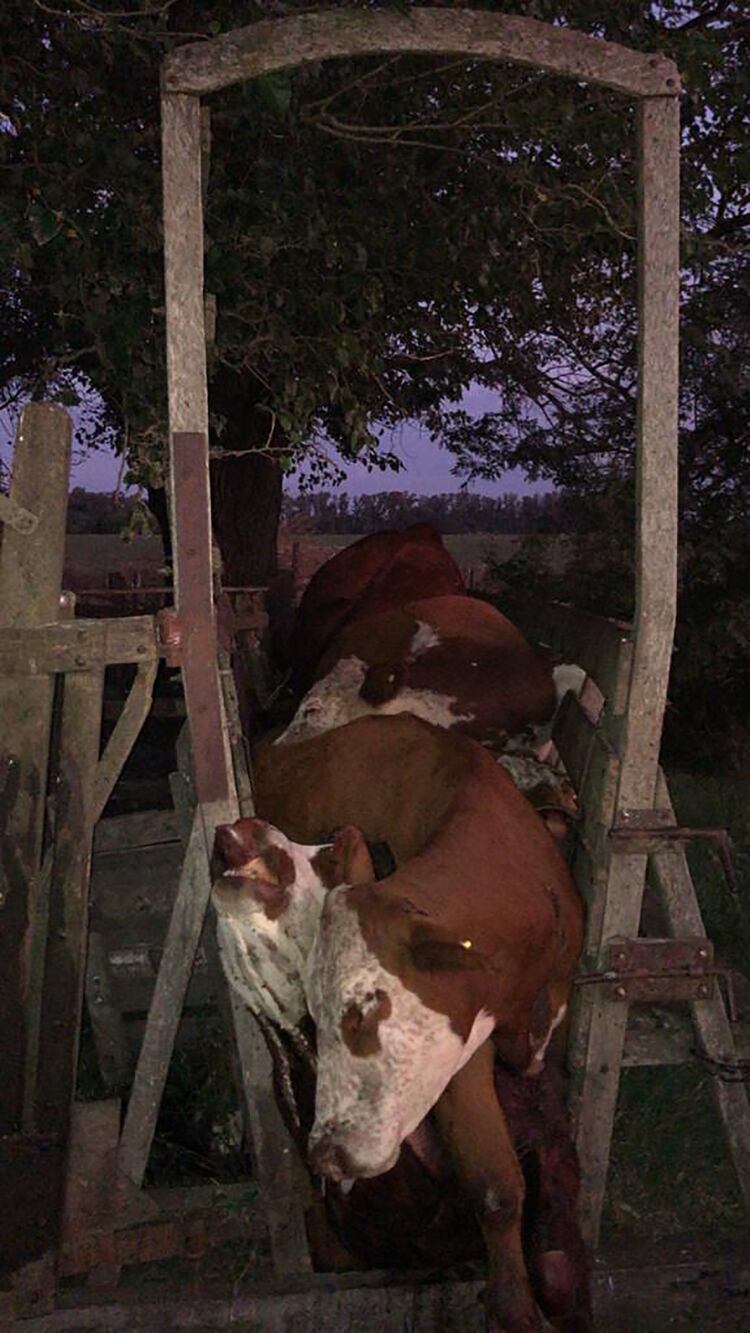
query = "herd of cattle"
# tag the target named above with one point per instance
(402, 920)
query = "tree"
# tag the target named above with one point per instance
(380, 233)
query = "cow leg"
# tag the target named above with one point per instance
(474, 1129)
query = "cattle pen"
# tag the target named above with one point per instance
(88, 1213)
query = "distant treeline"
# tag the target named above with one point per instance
(102, 512)
(327, 511)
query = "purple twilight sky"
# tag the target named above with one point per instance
(426, 471)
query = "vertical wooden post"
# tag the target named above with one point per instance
(602, 1024)
(65, 958)
(31, 564)
(183, 154)
(656, 458)
(30, 580)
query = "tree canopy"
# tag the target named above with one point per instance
(380, 234)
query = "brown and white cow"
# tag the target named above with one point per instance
(454, 661)
(377, 573)
(416, 981)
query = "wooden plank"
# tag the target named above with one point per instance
(285, 1186)
(667, 1037)
(601, 646)
(113, 1052)
(30, 580)
(270, 45)
(91, 1192)
(53, 1086)
(593, 767)
(143, 828)
(656, 459)
(633, 1298)
(74, 646)
(674, 884)
(163, 1020)
(125, 734)
(183, 267)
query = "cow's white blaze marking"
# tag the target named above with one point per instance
(536, 1063)
(335, 700)
(369, 1104)
(263, 959)
(424, 638)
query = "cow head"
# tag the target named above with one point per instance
(385, 1054)
(268, 893)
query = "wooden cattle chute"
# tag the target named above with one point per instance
(626, 789)
(613, 758)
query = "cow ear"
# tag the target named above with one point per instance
(433, 951)
(346, 861)
(382, 682)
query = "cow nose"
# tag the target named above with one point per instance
(328, 1159)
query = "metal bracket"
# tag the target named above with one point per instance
(658, 971)
(169, 628)
(644, 832)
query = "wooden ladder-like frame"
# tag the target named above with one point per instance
(611, 872)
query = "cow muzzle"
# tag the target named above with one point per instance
(328, 1158)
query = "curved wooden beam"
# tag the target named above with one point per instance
(260, 48)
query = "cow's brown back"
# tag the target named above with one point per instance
(381, 570)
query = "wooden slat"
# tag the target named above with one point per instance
(656, 459)
(166, 1008)
(247, 52)
(668, 1038)
(30, 580)
(73, 646)
(601, 646)
(113, 1052)
(675, 886)
(143, 828)
(64, 966)
(125, 734)
(183, 266)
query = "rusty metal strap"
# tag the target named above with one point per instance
(197, 631)
(648, 831)
(726, 1071)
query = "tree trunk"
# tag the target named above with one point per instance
(245, 490)
(246, 505)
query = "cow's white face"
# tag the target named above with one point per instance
(384, 1057)
(336, 699)
(268, 899)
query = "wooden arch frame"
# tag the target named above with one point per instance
(653, 83)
